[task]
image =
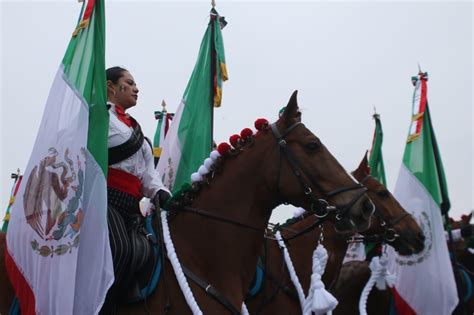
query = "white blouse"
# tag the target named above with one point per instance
(141, 164)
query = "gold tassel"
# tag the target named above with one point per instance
(413, 137)
(157, 152)
(218, 97)
(417, 116)
(225, 77)
(7, 217)
(83, 24)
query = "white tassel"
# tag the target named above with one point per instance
(182, 281)
(380, 277)
(319, 300)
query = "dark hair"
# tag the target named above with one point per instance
(114, 73)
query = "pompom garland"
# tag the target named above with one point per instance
(261, 124)
(223, 148)
(246, 133)
(235, 140)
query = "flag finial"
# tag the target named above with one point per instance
(419, 69)
(213, 3)
(163, 104)
(375, 115)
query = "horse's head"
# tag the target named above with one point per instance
(304, 173)
(398, 227)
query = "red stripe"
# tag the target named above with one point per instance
(124, 182)
(401, 306)
(17, 185)
(422, 106)
(22, 289)
(88, 11)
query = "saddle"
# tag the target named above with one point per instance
(145, 265)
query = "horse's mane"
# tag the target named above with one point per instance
(214, 164)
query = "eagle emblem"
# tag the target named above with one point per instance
(53, 202)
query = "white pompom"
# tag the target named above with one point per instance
(203, 170)
(196, 177)
(208, 163)
(215, 155)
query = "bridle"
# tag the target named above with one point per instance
(390, 234)
(319, 206)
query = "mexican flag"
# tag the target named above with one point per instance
(189, 140)
(164, 121)
(377, 169)
(16, 186)
(425, 281)
(58, 257)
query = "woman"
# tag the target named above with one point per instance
(131, 176)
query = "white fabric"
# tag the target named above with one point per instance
(456, 234)
(141, 164)
(171, 150)
(425, 280)
(355, 251)
(63, 282)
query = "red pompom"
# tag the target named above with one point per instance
(261, 124)
(246, 133)
(223, 148)
(234, 140)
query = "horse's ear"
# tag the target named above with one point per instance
(291, 110)
(364, 168)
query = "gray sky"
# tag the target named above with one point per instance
(343, 57)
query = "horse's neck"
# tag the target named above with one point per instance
(220, 252)
(301, 251)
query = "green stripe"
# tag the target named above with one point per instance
(377, 168)
(156, 140)
(422, 158)
(84, 67)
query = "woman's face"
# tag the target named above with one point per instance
(126, 91)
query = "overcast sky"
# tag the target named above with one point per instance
(343, 57)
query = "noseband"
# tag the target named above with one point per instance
(319, 206)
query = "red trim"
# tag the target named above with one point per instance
(22, 289)
(401, 306)
(423, 100)
(88, 11)
(124, 182)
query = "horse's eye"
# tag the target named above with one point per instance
(312, 146)
(383, 193)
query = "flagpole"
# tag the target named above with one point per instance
(213, 69)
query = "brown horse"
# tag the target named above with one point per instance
(354, 275)
(278, 295)
(219, 234)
